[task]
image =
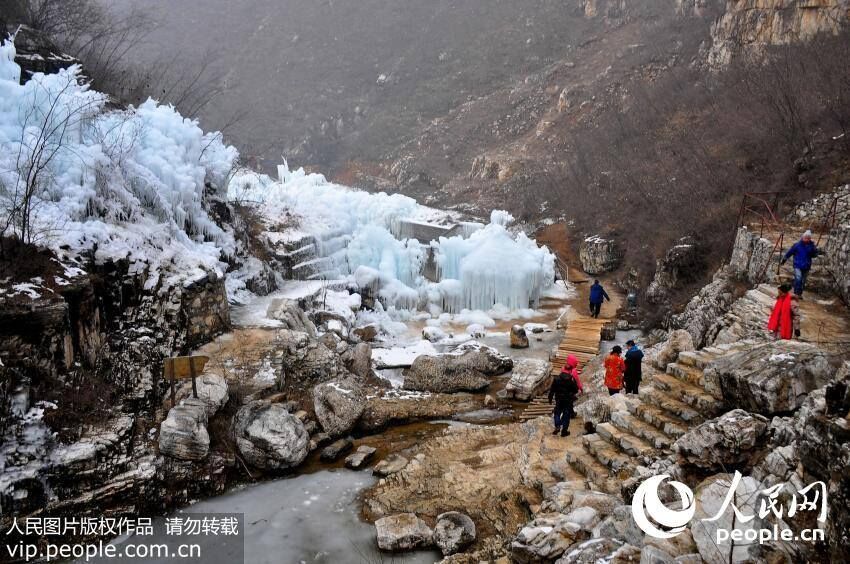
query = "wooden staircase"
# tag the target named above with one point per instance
(581, 339)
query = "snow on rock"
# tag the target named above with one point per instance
(119, 184)
(403, 356)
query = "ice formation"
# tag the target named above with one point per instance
(385, 242)
(121, 184)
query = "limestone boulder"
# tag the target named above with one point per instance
(482, 358)
(306, 360)
(546, 538)
(183, 435)
(291, 316)
(442, 374)
(728, 440)
(269, 437)
(709, 497)
(678, 341)
(519, 339)
(770, 378)
(358, 360)
(529, 378)
(338, 405)
(212, 391)
(619, 524)
(454, 532)
(598, 255)
(403, 532)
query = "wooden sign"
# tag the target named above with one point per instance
(182, 367)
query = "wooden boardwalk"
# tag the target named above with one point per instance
(581, 339)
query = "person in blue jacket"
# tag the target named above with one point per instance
(597, 294)
(803, 252)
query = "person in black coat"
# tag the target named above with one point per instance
(633, 374)
(564, 389)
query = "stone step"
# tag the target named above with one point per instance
(687, 374)
(653, 435)
(624, 440)
(698, 359)
(618, 463)
(662, 420)
(587, 465)
(694, 396)
(671, 405)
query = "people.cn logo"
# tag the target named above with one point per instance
(650, 513)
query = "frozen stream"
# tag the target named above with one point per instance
(307, 518)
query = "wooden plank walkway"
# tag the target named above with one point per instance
(581, 339)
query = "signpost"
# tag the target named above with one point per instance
(182, 367)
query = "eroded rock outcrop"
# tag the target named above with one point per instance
(402, 532)
(453, 532)
(183, 435)
(291, 315)
(728, 440)
(529, 378)
(599, 255)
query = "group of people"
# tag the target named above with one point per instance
(623, 372)
(620, 372)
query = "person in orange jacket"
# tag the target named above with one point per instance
(615, 367)
(785, 318)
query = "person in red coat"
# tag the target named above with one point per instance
(784, 322)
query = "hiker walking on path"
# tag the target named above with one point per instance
(597, 294)
(803, 252)
(785, 317)
(615, 367)
(633, 374)
(565, 386)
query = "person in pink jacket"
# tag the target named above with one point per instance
(571, 367)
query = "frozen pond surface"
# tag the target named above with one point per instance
(308, 518)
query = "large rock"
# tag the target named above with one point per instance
(269, 437)
(701, 314)
(338, 405)
(529, 378)
(709, 497)
(336, 449)
(598, 255)
(546, 538)
(402, 532)
(482, 358)
(306, 360)
(770, 378)
(212, 391)
(360, 457)
(728, 440)
(620, 524)
(183, 435)
(682, 261)
(678, 341)
(519, 340)
(441, 374)
(291, 316)
(454, 532)
(358, 359)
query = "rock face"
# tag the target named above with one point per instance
(338, 405)
(771, 378)
(680, 261)
(599, 255)
(403, 532)
(183, 435)
(678, 341)
(704, 309)
(529, 378)
(269, 437)
(519, 340)
(728, 440)
(751, 25)
(291, 316)
(454, 532)
(442, 374)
